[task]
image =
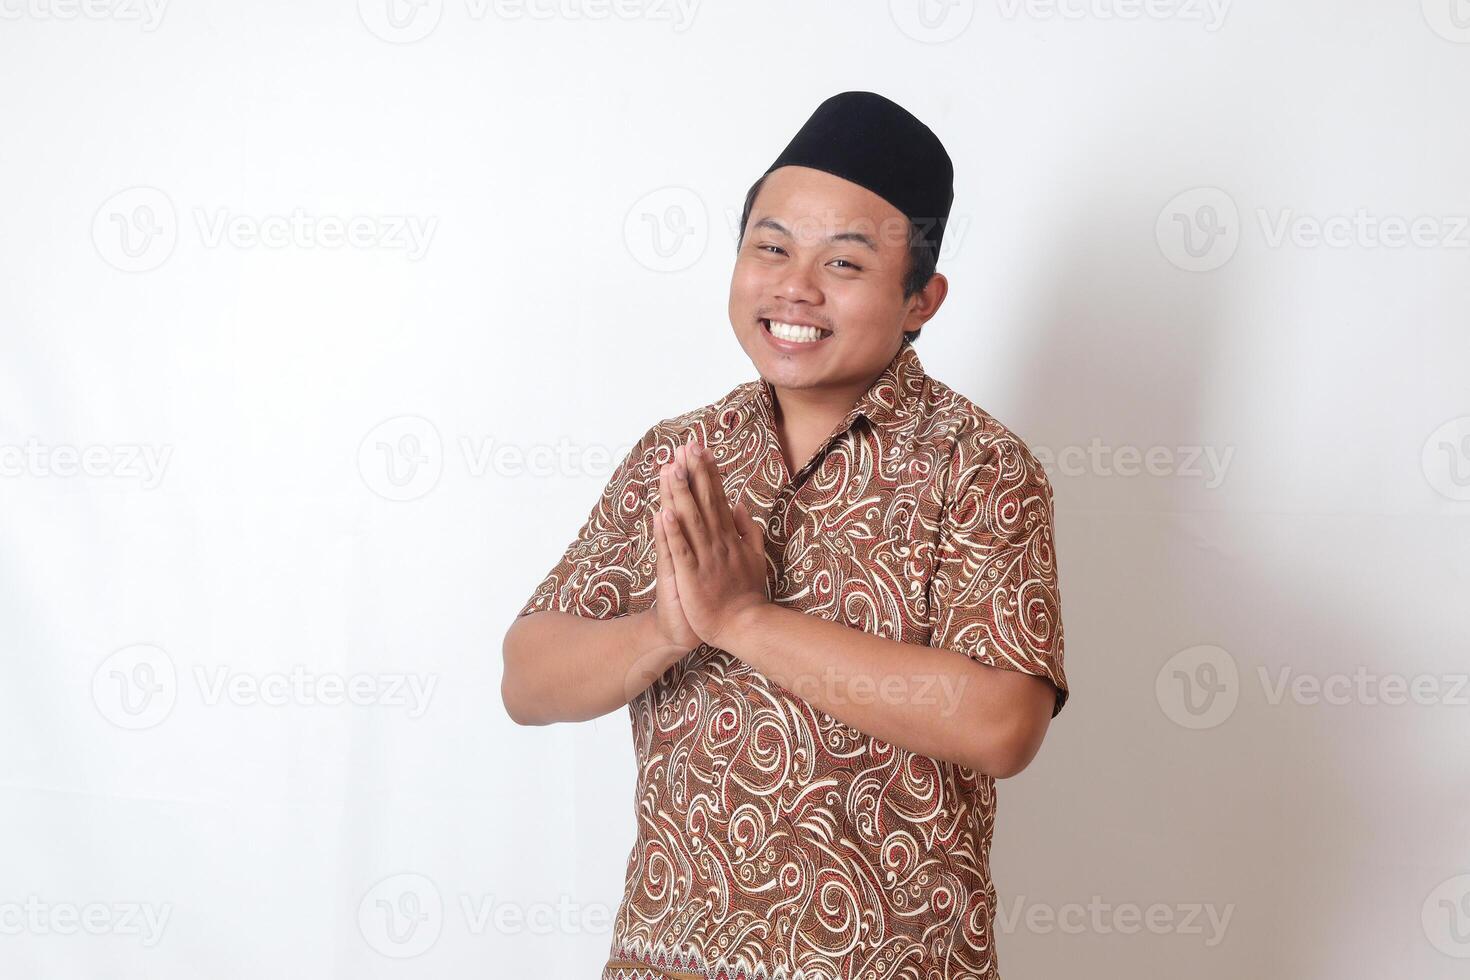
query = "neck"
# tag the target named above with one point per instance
(806, 416)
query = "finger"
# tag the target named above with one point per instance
(751, 534)
(745, 525)
(679, 548)
(669, 479)
(663, 561)
(685, 507)
(709, 490)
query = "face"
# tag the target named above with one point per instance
(823, 252)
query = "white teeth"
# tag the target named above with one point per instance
(793, 332)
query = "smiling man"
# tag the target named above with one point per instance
(829, 600)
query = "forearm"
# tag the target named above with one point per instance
(931, 701)
(564, 667)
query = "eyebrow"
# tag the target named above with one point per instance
(841, 236)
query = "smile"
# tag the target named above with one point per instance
(794, 333)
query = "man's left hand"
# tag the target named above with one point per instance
(719, 554)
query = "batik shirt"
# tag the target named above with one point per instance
(773, 840)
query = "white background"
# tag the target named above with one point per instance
(1131, 263)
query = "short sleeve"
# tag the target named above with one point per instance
(994, 594)
(599, 573)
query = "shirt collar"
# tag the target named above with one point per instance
(890, 397)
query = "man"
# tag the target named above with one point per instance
(827, 676)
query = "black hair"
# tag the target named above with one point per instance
(923, 254)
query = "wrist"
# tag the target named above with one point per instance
(651, 642)
(742, 623)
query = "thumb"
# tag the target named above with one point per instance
(745, 525)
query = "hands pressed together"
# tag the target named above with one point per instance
(711, 563)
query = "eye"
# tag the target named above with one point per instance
(850, 264)
(764, 247)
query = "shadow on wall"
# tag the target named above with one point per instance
(1258, 821)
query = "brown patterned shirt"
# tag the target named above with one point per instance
(773, 840)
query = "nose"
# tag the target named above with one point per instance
(798, 285)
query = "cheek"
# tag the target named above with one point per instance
(750, 274)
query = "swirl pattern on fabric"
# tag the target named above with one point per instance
(774, 841)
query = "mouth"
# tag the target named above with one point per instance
(793, 335)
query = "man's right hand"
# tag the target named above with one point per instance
(672, 625)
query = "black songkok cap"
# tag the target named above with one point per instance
(878, 144)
